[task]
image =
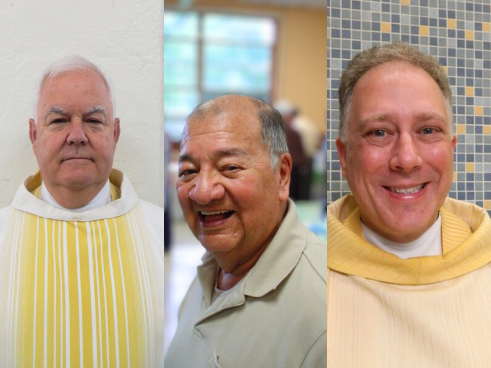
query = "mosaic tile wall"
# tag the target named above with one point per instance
(458, 34)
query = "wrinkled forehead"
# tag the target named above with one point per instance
(241, 125)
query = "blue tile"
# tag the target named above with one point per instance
(356, 4)
(486, 45)
(460, 72)
(442, 23)
(395, 28)
(461, 110)
(346, 34)
(414, 40)
(433, 22)
(469, 177)
(405, 38)
(451, 33)
(460, 34)
(414, 30)
(375, 36)
(469, 101)
(487, 148)
(478, 26)
(335, 33)
(442, 13)
(356, 24)
(433, 41)
(395, 18)
(479, 92)
(451, 14)
(469, 44)
(386, 8)
(346, 4)
(469, 7)
(336, 13)
(356, 45)
(335, 53)
(346, 54)
(461, 91)
(423, 21)
(487, 176)
(469, 120)
(470, 195)
(478, 8)
(346, 23)
(487, 64)
(460, 43)
(335, 83)
(461, 63)
(376, 26)
(478, 54)
(478, 147)
(423, 2)
(469, 72)
(486, 8)
(478, 73)
(385, 37)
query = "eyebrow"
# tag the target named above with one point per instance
(91, 110)
(230, 152)
(424, 116)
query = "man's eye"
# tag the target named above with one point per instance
(428, 131)
(58, 121)
(378, 133)
(94, 121)
(184, 173)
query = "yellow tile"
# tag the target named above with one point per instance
(487, 205)
(454, 176)
(451, 23)
(445, 69)
(469, 35)
(460, 129)
(469, 91)
(405, 2)
(478, 110)
(385, 27)
(469, 167)
(424, 30)
(486, 26)
(486, 129)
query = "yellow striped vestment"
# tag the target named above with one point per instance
(80, 293)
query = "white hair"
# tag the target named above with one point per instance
(72, 64)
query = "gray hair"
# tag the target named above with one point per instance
(272, 125)
(378, 55)
(73, 64)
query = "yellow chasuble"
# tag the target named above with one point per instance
(384, 311)
(80, 289)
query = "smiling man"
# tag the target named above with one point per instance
(81, 257)
(259, 299)
(409, 269)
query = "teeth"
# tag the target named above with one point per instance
(212, 213)
(407, 190)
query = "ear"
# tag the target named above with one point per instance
(116, 130)
(285, 167)
(32, 131)
(341, 155)
(454, 142)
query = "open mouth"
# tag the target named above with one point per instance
(411, 190)
(213, 216)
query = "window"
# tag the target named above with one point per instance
(208, 55)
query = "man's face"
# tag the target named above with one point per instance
(75, 136)
(398, 159)
(229, 194)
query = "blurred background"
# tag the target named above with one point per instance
(274, 50)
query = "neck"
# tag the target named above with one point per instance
(235, 266)
(70, 199)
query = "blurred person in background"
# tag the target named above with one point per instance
(301, 163)
(259, 299)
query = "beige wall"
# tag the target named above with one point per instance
(301, 54)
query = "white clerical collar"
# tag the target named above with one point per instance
(101, 199)
(428, 244)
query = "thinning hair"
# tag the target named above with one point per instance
(378, 55)
(272, 126)
(70, 65)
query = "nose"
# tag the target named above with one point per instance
(206, 189)
(407, 155)
(77, 136)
